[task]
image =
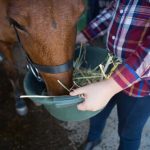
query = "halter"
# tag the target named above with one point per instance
(36, 68)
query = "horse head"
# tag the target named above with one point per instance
(47, 31)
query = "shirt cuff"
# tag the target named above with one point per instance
(86, 33)
(92, 31)
(125, 76)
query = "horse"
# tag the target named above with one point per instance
(46, 31)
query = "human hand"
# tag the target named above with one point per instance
(81, 38)
(97, 95)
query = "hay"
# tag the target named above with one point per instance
(82, 76)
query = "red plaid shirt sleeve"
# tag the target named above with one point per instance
(99, 25)
(128, 39)
(136, 67)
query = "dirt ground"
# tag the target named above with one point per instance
(36, 131)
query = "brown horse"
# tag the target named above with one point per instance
(47, 31)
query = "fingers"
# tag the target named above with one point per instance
(78, 91)
(82, 107)
(86, 107)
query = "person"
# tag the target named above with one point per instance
(127, 24)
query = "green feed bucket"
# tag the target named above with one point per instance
(65, 107)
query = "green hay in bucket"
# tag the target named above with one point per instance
(83, 76)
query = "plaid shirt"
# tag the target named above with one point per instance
(127, 23)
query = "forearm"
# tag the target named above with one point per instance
(113, 86)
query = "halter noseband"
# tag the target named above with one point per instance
(36, 68)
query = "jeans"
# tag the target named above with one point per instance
(133, 112)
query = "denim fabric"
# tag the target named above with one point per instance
(132, 112)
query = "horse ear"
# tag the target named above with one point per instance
(81, 6)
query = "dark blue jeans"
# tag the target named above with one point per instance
(132, 115)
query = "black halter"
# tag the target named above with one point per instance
(36, 68)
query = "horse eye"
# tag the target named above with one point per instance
(16, 24)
